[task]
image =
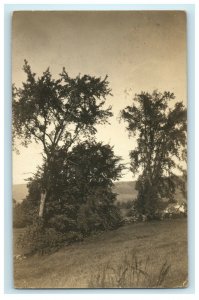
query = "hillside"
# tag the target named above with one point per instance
(125, 190)
(19, 192)
(101, 260)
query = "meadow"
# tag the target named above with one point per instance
(148, 254)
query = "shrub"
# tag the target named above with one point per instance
(133, 213)
(98, 213)
(41, 240)
(22, 216)
(128, 204)
(62, 223)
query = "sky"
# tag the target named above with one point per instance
(138, 50)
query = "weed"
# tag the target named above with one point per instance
(131, 272)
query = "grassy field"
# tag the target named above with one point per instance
(105, 260)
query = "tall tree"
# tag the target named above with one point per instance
(56, 112)
(160, 130)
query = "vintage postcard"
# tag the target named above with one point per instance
(99, 114)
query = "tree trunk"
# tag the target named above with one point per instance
(42, 204)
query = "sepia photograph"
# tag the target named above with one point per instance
(99, 160)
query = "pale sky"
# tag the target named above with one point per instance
(138, 50)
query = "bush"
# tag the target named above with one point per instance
(128, 204)
(98, 213)
(62, 223)
(41, 240)
(133, 213)
(90, 220)
(21, 216)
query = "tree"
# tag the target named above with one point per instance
(81, 198)
(56, 113)
(160, 131)
(98, 167)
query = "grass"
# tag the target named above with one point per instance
(130, 272)
(109, 260)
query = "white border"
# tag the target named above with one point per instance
(99, 295)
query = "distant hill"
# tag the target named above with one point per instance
(19, 192)
(125, 191)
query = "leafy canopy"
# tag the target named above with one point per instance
(56, 112)
(160, 130)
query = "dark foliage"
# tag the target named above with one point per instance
(42, 240)
(160, 131)
(80, 200)
(81, 186)
(58, 113)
